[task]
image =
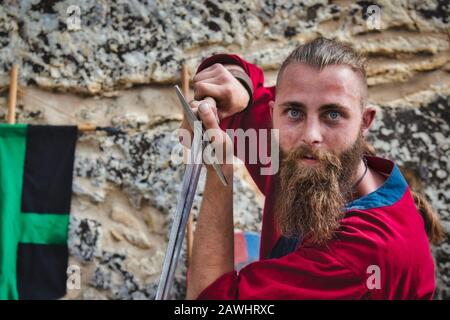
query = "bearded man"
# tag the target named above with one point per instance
(338, 222)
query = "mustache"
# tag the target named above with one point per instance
(327, 158)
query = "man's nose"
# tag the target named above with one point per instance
(312, 135)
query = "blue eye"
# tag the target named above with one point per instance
(333, 115)
(293, 113)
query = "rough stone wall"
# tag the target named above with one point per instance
(117, 70)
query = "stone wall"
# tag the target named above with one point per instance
(117, 70)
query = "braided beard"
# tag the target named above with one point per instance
(311, 199)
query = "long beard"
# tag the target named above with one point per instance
(311, 199)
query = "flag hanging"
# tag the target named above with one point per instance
(36, 168)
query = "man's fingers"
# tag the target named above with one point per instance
(207, 115)
(209, 118)
(204, 89)
(217, 79)
(212, 103)
(216, 67)
(206, 74)
(208, 90)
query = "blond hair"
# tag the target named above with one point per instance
(322, 52)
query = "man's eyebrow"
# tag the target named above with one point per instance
(293, 104)
(333, 106)
(328, 106)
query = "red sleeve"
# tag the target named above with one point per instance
(309, 273)
(256, 116)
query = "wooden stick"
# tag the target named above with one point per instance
(189, 228)
(12, 98)
(87, 127)
(84, 127)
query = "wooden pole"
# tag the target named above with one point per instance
(86, 127)
(12, 101)
(12, 98)
(189, 228)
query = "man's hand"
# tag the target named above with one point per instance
(220, 144)
(215, 85)
(218, 83)
(185, 133)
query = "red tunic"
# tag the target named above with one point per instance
(380, 251)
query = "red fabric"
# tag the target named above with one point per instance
(391, 237)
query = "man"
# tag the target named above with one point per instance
(337, 223)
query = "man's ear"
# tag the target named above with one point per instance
(368, 116)
(271, 105)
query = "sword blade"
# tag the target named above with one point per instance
(184, 206)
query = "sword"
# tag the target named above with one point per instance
(185, 200)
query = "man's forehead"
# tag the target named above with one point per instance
(334, 80)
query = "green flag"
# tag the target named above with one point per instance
(36, 168)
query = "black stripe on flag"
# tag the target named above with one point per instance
(41, 271)
(47, 179)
